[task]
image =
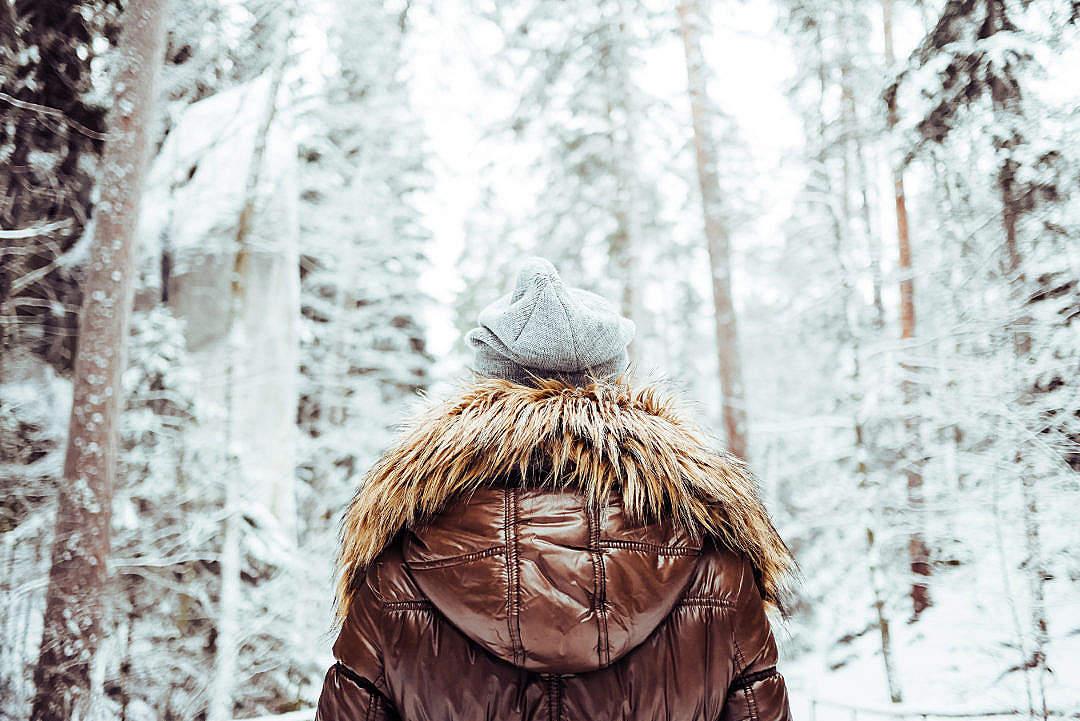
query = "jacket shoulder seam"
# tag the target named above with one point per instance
(371, 578)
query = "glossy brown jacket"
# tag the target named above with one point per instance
(561, 553)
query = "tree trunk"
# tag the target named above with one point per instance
(1037, 575)
(227, 644)
(691, 17)
(623, 243)
(873, 565)
(74, 599)
(1011, 210)
(1008, 137)
(918, 551)
(853, 134)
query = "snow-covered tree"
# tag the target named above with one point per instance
(51, 138)
(901, 255)
(364, 250)
(580, 109)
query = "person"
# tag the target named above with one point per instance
(555, 543)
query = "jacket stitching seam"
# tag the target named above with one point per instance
(373, 702)
(704, 602)
(513, 575)
(751, 701)
(592, 515)
(646, 547)
(457, 560)
(596, 577)
(748, 692)
(509, 575)
(412, 604)
(739, 658)
(375, 591)
(747, 680)
(604, 601)
(514, 497)
(517, 576)
(372, 687)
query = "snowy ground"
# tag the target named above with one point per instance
(950, 662)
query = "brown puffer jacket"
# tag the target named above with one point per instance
(557, 553)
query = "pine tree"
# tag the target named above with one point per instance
(364, 356)
(572, 71)
(972, 66)
(837, 312)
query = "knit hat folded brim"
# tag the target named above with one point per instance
(544, 329)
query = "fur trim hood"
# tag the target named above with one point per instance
(603, 439)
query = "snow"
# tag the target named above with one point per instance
(197, 181)
(405, 173)
(194, 198)
(32, 393)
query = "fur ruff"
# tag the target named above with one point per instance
(601, 439)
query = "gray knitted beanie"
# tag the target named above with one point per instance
(544, 329)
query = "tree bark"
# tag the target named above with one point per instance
(918, 550)
(691, 17)
(74, 599)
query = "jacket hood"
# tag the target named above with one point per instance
(542, 580)
(595, 465)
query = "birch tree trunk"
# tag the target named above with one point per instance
(918, 551)
(691, 18)
(74, 599)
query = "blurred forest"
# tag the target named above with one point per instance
(847, 230)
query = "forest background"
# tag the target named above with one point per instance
(240, 238)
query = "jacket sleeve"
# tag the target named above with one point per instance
(758, 691)
(355, 686)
